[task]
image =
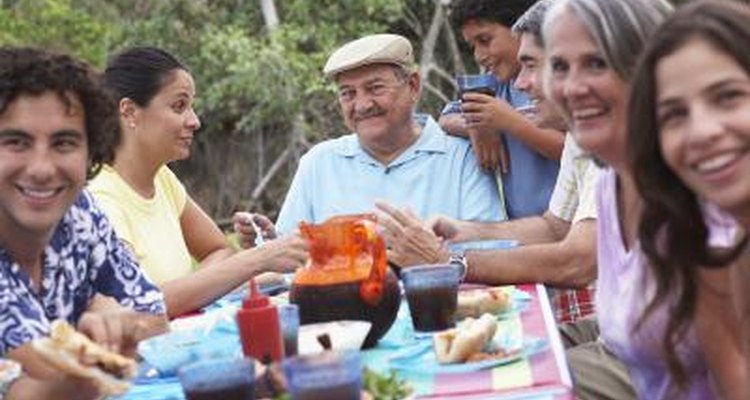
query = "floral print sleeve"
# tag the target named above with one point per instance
(84, 257)
(117, 272)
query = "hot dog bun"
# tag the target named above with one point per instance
(468, 337)
(473, 303)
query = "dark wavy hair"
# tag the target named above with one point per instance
(672, 230)
(504, 12)
(33, 71)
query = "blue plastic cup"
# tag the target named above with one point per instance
(289, 322)
(326, 375)
(478, 83)
(219, 378)
(432, 294)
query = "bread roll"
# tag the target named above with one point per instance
(468, 337)
(473, 303)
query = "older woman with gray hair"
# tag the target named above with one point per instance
(592, 48)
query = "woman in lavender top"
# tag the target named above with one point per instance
(690, 114)
(592, 48)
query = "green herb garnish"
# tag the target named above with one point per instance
(385, 387)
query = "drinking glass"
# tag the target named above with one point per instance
(479, 83)
(289, 321)
(432, 294)
(326, 375)
(218, 378)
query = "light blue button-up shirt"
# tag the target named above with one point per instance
(438, 174)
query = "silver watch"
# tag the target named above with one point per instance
(459, 259)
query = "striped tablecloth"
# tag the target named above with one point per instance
(543, 375)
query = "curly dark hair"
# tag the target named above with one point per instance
(673, 233)
(33, 71)
(504, 12)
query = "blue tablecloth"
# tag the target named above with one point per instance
(151, 385)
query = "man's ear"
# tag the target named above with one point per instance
(415, 83)
(128, 111)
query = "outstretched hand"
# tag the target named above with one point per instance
(452, 230)
(284, 254)
(409, 241)
(120, 330)
(243, 224)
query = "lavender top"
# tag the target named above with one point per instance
(624, 287)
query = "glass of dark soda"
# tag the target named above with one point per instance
(289, 322)
(476, 83)
(326, 375)
(432, 294)
(220, 378)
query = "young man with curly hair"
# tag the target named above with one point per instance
(59, 256)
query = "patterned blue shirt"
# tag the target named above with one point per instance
(438, 174)
(83, 258)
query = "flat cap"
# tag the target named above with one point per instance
(382, 48)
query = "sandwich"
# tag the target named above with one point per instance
(473, 303)
(469, 337)
(74, 354)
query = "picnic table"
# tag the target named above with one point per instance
(539, 373)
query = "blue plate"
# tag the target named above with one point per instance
(520, 302)
(236, 296)
(516, 308)
(420, 357)
(483, 245)
(169, 351)
(402, 332)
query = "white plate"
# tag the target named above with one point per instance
(421, 357)
(344, 335)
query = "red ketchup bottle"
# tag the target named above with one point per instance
(258, 322)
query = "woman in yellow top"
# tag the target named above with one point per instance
(149, 206)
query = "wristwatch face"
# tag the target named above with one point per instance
(460, 260)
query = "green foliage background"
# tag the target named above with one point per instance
(260, 94)
(256, 89)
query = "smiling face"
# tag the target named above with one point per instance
(589, 93)
(377, 104)
(703, 111)
(43, 158)
(494, 47)
(166, 126)
(531, 58)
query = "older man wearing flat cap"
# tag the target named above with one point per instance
(393, 153)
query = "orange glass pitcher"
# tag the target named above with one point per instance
(347, 275)
(346, 249)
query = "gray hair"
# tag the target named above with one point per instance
(620, 28)
(531, 21)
